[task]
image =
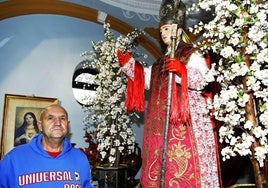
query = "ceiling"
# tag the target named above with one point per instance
(124, 14)
(143, 14)
(144, 11)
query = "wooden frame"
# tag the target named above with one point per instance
(15, 108)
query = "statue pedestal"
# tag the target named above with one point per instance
(112, 177)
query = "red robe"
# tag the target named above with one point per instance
(191, 157)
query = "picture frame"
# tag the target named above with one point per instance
(16, 109)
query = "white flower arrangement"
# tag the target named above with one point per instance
(239, 34)
(106, 113)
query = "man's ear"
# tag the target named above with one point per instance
(39, 126)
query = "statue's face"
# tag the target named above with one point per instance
(165, 32)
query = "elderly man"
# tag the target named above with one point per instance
(48, 160)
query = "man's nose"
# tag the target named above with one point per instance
(57, 121)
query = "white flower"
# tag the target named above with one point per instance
(261, 153)
(112, 151)
(263, 76)
(264, 118)
(247, 140)
(262, 16)
(227, 52)
(227, 152)
(107, 111)
(242, 100)
(230, 106)
(238, 33)
(260, 134)
(234, 40)
(248, 125)
(233, 141)
(232, 92)
(111, 159)
(103, 154)
(232, 7)
(251, 48)
(262, 56)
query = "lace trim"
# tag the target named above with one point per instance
(204, 135)
(129, 68)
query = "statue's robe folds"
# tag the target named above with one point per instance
(192, 154)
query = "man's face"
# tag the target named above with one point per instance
(54, 123)
(165, 31)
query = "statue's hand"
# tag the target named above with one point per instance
(123, 58)
(174, 65)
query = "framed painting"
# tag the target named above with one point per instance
(20, 117)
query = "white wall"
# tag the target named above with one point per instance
(38, 55)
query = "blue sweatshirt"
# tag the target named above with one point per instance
(30, 166)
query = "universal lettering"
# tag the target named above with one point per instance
(38, 177)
